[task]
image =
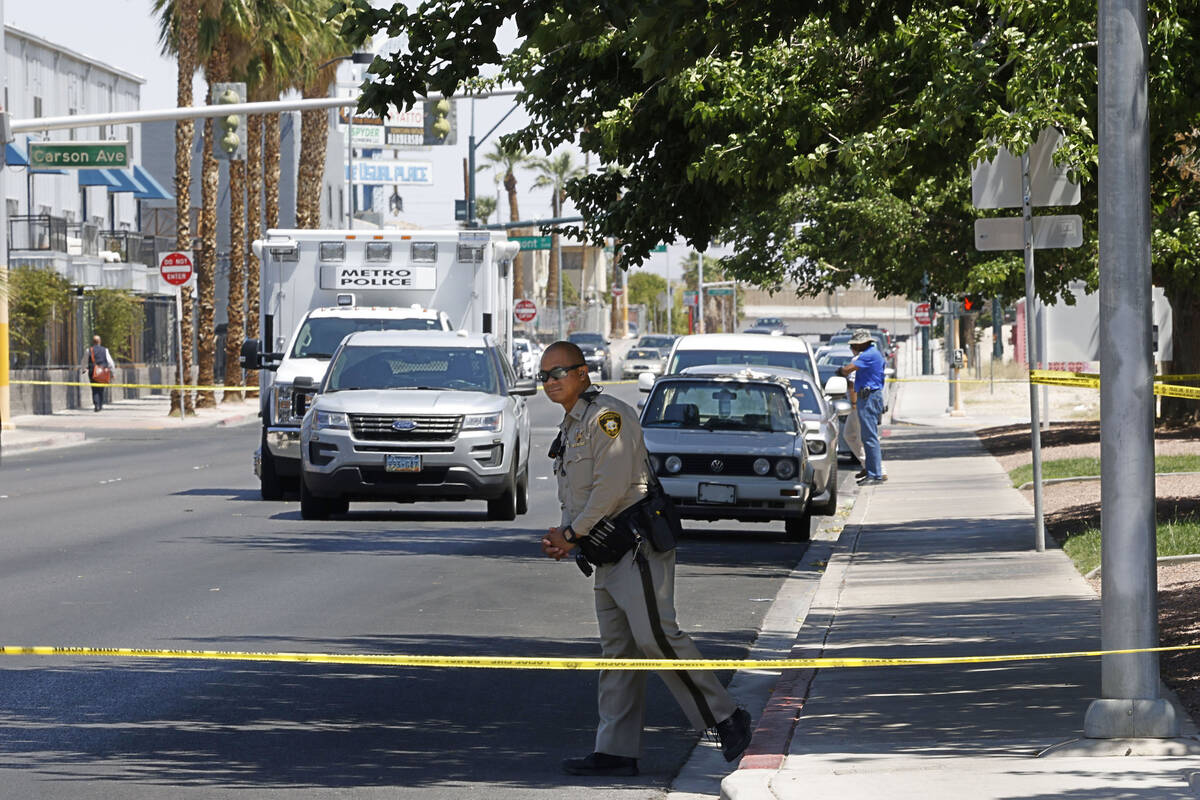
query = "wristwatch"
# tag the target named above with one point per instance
(569, 534)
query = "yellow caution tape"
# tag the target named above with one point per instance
(171, 386)
(1167, 390)
(1055, 378)
(516, 662)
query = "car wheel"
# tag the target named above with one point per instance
(523, 491)
(270, 484)
(830, 506)
(504, 507)
(311, 506)
(798, 529)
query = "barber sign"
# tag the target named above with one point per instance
(384, 277)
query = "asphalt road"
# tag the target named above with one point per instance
(158, 540)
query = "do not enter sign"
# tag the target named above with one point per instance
(176, 268)
(922, 314)
(525, 310)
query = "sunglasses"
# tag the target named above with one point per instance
(557, 373)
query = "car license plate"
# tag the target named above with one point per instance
(721, 493)
(398, 463)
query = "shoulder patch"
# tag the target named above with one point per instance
(610, 423)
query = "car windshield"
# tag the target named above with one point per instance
(320, 336)
(698, 358)
(719, 405)
(655, 341)
(836, 359)
(470, 369)
(806, 396)
(594, 339)
(840, 338)
(643, 353)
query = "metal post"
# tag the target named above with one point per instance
(1130, 704)
(350, 168)
(5, 401)
(670, 295)
(1035, 434)
(700, 292)
(951, 325)
(558, 249)
(1043, 362)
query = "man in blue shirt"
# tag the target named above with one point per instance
(868, 382)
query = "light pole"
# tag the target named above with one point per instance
(353, 58)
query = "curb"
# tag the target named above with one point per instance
(1190, 558)
(48, 441)
(1086, 478)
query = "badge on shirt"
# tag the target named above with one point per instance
(610, 423)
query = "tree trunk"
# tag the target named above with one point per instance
(271, 173)
(314, 136)
(235, 309)
(254, 194)
(206, 345)
(510, 185)
(1185, 355)
(186, 22)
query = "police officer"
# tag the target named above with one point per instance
(602, 470)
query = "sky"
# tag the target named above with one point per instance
(124, 34)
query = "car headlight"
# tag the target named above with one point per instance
(761, 466)
(332, 420)
(673, 464)
(484, 422)
(816, 447)
(785, 468)
(283, 402)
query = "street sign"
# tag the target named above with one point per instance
(525, 311)
(617, 291)
(997, 183)
(392, 173)
(78, 155)
(690, 298)
(176, 267)
(923, 314)
(720, 290)
(532, 242)
(1008, 233)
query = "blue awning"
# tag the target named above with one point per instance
(154, 189)
(15, 157)
(96, 177)
(124, 181)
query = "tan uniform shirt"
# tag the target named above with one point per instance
(602, 467)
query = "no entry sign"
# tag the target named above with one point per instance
(525, 310)
(176, 267)
(922, 314)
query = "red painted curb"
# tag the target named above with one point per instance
(770, 742)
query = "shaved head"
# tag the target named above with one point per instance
(568, 352)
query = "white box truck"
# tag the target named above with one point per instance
(318, 286)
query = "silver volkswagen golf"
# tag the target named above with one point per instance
(730, 446)
(408, 416)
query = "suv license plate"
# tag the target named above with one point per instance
(397, 463)
(721, 493)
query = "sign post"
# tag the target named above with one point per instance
(177, 269)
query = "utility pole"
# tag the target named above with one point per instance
(700, 292)
(1130, 705)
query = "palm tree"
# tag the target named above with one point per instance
(554, 171)
(505, 160)
(484, 208)
(323, 49)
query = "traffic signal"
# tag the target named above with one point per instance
(440, 121)
(230, 139)
(971, 304)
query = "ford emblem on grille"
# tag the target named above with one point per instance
(717, 465)
(404, 425)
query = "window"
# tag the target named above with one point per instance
(37, 107)
(341, 205)
(424, 252)
(720, 405)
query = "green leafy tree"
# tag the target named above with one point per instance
(35, 297)
(484, 207)
(118, 316)
(648, 289)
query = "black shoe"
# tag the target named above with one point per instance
(735, 734)
(858, 476)
(601, 765)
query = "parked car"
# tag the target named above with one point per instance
(730, 446)
(595, 352)
(774, 323)
(741, 349)
(525, 357)
(659, 341)
(882, 341)
(416, 416)
(643, 359)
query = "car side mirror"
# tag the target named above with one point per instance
(645, 381)
(841, 408)
(251, 354)
(303, 390)
(888, 372)
(641, 403)
(836, 385)
(524, 388)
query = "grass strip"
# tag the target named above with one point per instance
(1179, 537)
(1090, 467)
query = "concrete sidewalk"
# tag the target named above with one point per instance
(940, 561)
(79, 426)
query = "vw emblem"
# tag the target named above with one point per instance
(404, 425)
(717, 465)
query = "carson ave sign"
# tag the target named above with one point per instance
(78, 155)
